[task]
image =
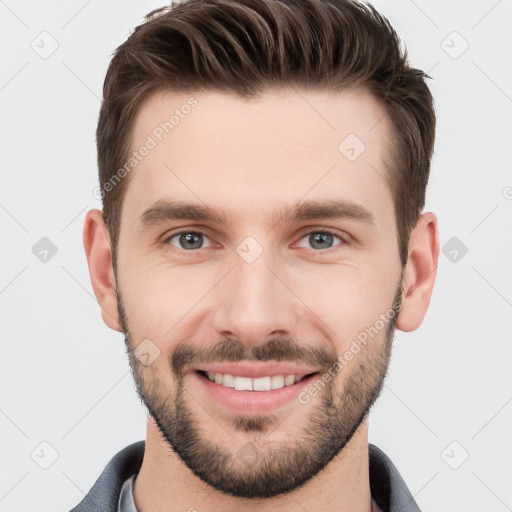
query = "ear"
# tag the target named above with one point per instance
(420, 272)
(99, 259)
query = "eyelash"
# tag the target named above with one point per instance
(317, 251)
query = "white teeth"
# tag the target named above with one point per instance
(289, 380)
(228, 380)
(257, 384)
(261, 384)
(241, 383)
(277, 382)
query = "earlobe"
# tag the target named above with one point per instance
(420, 272)
(99, 259)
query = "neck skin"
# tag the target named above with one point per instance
(165, 484)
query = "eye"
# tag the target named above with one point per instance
(322, 239)
(187, 240)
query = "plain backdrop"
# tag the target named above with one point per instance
(67, 397)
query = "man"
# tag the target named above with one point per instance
(263, 166)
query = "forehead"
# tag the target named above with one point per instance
(243, 155)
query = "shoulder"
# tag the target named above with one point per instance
(387, 485)
(104, 494)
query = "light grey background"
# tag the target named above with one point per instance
(65, 379)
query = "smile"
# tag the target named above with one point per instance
(265, 383)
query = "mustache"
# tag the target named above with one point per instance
(234, 351)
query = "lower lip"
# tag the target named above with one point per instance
(253, 402)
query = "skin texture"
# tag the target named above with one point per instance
(303, 299)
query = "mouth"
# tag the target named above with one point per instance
(251, 396)
(263, 383)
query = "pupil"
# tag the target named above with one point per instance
(189, 238)
(321, 238)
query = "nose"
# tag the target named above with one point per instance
(254, 303)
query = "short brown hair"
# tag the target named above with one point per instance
(245, 47)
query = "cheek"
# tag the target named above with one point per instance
(159, 297)
(347, 300)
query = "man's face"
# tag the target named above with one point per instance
(259, 292)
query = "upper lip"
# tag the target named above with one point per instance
(255, 370)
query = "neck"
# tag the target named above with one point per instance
(164, 480)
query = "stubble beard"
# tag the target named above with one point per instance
(262, 468)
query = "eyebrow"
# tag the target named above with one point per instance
(329, 209)
(165, 210)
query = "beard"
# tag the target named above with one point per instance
(266, 469)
